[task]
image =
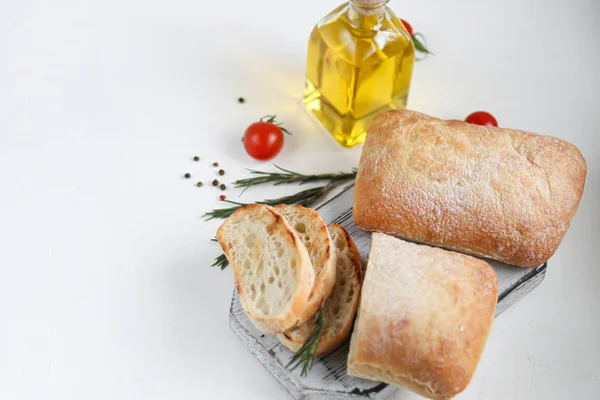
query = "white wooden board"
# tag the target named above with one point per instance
(328, 378)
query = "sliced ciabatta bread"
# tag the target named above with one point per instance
(312, 231)
(270, 264)
(340, 308)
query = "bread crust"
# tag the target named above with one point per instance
(329, 341)
(323, 266)
(276, 223)
(424, 317)
(498, 193)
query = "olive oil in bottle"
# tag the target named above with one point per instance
(360, 61)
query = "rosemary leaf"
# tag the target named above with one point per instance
(221, 262)
(220, 213)
(306, 355)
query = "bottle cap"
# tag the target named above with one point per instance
(368, 7)
(369, 2)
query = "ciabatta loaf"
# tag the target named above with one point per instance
(423, 319)
(313, 233)
(340, 308)
(498, 193)
(270, 264)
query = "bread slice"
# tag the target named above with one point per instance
(312, 231)
(340, 308)
(270, 264)
(424, 317)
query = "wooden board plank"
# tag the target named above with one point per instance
(328, 378)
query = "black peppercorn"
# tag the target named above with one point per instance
(196, 158)
(187, 176)
(215, 183)
(241, 100)
(221, 172)
(223, 187)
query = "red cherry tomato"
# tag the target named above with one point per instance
(407, 26)
(263, 140)
(482, 118)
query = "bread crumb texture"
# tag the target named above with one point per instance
(271, 268)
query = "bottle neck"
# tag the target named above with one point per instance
(366, 16)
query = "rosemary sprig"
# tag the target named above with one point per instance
(286, 176)
(271, 119)
(221, 262)
(305, 198)
(306, 355)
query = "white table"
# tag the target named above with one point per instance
(106, 289)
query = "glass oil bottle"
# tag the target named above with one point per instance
(360, 61)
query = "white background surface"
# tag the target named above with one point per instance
(106, 289)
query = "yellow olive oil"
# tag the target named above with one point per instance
(360, 61)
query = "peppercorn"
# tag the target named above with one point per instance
(223, 187)
(241, 100)
(199, 184)
(196, 158)
(187, 176)
(222, 197)
(215, 183)
(221, 172)
(215, 164)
